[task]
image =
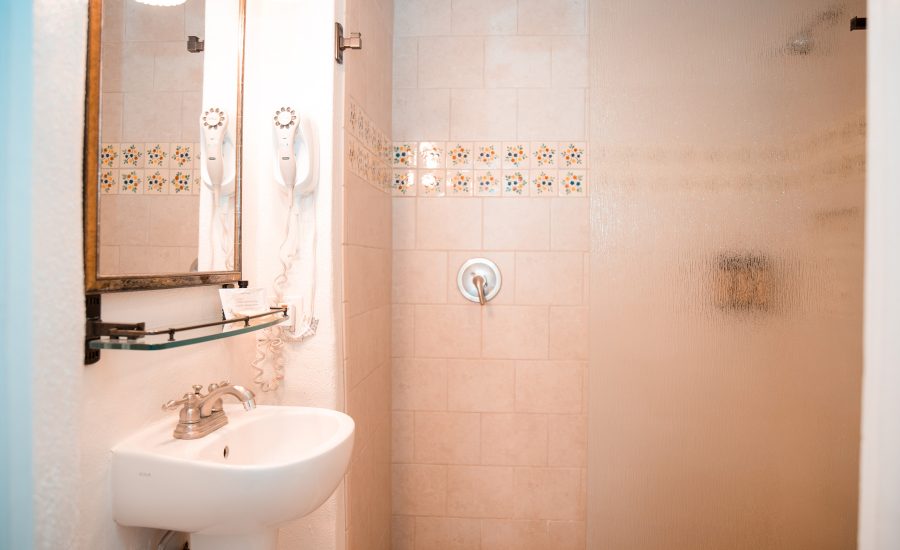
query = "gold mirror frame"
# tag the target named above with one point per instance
(92, 281)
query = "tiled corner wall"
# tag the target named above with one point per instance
(490, 160)
(151, 91)
(367, 272)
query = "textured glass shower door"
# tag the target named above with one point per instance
(726, 274)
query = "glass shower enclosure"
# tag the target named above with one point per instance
(727, 216)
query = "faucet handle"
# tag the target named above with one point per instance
(197, 388)
(173, 404)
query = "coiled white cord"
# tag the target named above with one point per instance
(273, 339)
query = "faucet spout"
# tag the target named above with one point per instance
(212, 402)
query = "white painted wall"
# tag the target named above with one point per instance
(82, 412)
(879, 515)
(57, 273)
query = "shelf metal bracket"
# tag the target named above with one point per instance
(94, 327)
(353, 41)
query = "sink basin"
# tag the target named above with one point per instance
(232, 488)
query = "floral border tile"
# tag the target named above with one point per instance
(573, 183)
(108, 181)
(543, 154)
(156, 155)
(180, 182)
(543, 183)
(487, 183)
(431, 155)
(573, 154)
(109, 155)
(131, 155)
(404, 155)
(515, 183)
(486, 154)
(182, 156)
(130, 182)
(403, 183)
(431, 183)
(459, 155)
(156, 182)
(460, 182)
(515, 156)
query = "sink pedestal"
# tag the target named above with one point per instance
(265, 540)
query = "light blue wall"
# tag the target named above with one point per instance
(16, 483)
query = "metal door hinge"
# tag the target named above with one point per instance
(353, 41)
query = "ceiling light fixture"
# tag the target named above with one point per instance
(161, 2)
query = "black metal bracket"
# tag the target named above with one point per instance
(858, 24)
(94, 327)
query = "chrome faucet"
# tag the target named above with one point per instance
(200, 414)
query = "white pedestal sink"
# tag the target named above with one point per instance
(232, 488)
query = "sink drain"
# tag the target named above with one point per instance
(225, 452)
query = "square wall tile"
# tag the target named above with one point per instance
(543, 155)
(515, 156)
(431, 155)
(182, 156)
(572, 183)
(419, 489)
(131, 155)
(487, 183)
(109, 155)
(478, 113)
(481, 385)
(419, 384)
(131, 182)
(447, 438)
(515, 332)
(480, 18)
(566, 17)
(448, 224)
(515, 183)
(550, 386)
(459, 182)
(573, 155)
(487, 154)
(403, 183)
(543, 183)
(552, 113)
(431, 183)
(405, 154)
(514, 439)
(180, 182)
(108, 181)
(451, 62)
(433, 533)
(156, 155)
(549, 493)
(460, 155)
(516, 225)
(480, 491)
(156, 182)
(517, 62)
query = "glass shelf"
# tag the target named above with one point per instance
(188, 337)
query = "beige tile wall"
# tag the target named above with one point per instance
(489, 413)
(366, 211)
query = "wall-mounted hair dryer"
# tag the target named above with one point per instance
(212, 125)
(290, 151)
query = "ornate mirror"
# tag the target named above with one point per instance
(162, 163)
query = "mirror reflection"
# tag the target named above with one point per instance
(169, 96)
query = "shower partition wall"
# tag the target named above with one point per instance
(726, 274)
